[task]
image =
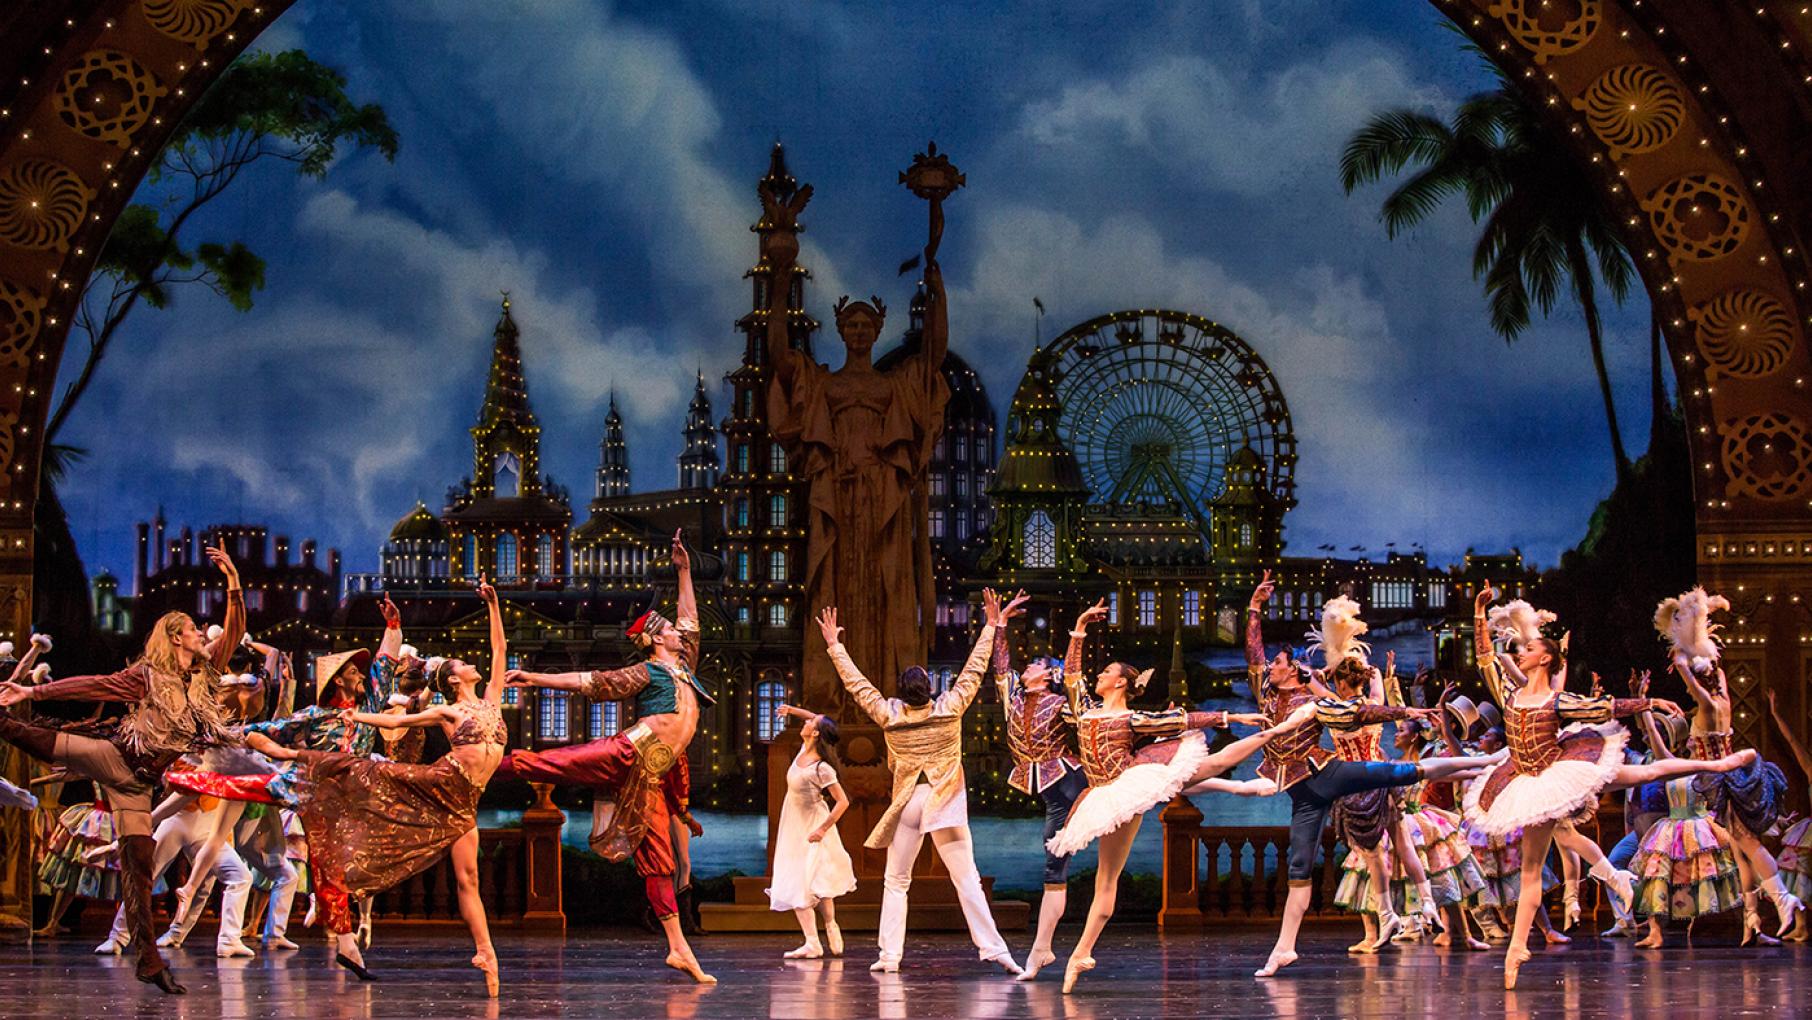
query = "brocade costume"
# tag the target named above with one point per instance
(372, 823)
(1040, 731)
(629, 772)
(1131, 766)
(1749, 796)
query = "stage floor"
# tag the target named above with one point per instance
(1141, 974)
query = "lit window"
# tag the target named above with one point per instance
(961, 450)
(1192, 609)
(742, 566)
(742, 615)
(937, 483)
(769, 696)
(742, 458)
(1040, 541)
(512, 696)
(1245, 536)
(983, 448)
(937, 524)
(603, 719)
(777, 565)
(777, 510)
(508, 477)
(1437, 595)
(962, 527)
(776, 459)
(506, 556)
(544, 557)
(1148, 609)
(962, 486)
(551, 721)
(742, 511)
(777, 615)
(1113, 608)
(471, 556)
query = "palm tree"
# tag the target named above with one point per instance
(1545, 230)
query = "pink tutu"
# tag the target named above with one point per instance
(1504, 800)
(1162, 772)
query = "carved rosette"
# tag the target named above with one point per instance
(1743, 333)
(21, 316)
(1549, 28)
(41, 204)
(1767, 456)
(195, 22)
(107, 96)
(1634, 108)
(1699, 216)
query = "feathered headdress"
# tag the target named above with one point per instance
(1685, 624)
(1516, 623)
(1338, 635)
(1139, 682)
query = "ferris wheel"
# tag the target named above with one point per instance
(1155, 404)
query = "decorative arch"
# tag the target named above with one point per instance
(1689, 110)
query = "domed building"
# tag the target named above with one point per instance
(416, 553)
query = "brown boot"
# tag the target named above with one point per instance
(37, 741)
(136, 854)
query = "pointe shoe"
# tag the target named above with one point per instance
(112, 947)
(488, 964)
(1036, 961)
(1620, 930)
(1513, 962)
(234, 950)
(1569, 911)
(688, 964)
(165, 981)
(811, 950)
(1277, 962)
(355, 966)
(833, 939)
(171, 939)
(1554, 938)
(279, 942)
(1074, 970)
(1477, 945)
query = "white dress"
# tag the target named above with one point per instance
(806, 872)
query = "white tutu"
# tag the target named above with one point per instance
(1559, 791)
(1102, 809)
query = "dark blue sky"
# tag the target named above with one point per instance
(598, 161)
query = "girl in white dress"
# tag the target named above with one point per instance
(811, 866)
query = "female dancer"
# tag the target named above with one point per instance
(1124, 783)
(1685, 866)
(173, 711)
(68, 871)
(1500, 861)
(1796, 845)
(1745, 801)
(811, 866)
(1446, 876)
(1553, 778)
(372, 823)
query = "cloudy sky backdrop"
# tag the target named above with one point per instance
(598, 160)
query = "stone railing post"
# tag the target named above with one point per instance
(542, 875)
(1182, 906)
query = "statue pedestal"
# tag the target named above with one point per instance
(932, 904)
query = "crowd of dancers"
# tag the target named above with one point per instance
(1451, 836)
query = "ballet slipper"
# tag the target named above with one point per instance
(1005, 962)
(1802, 929)
(279, 942)
(1036, 961)
(1277, 961)
(687, 963)
(884, 966)
(1074, 970)
(833, 938)
(487, 962)
(113, 946)
(234, 949)
(811, 950)
(1477, 945)
(1513, 962)
(1554, 938)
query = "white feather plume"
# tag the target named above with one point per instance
(1338, 636)
(1517, 623)
(41, 642)
(214, 631)
(40, 672)
(1685, 624)
(6, 649)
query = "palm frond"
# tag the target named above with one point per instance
(1389, 142)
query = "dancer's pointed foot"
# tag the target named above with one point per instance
(1036, 961)
(884, 966)
(1477, 945)
(1554, 938)
(1005, 962)
(233, 949)
(1073, 971)
(486, 961)
(1650, 941)
(279, 942)
(50, 931)
(811, 950)
(1278, 961)
(1513, 962)
(114, 946)
(165, 981)
(356, 966)
(833, 938)
(1365, 945)
(688, 963)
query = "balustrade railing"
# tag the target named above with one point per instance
(1231, 873)
(519, 877)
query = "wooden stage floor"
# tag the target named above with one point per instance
(1142, 974)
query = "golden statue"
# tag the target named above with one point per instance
(862, 439)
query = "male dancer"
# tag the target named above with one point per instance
(630, 814)
(925, 746)
(1297, 764)
(1039, 736)
(172, 712)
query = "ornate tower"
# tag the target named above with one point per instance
(1039, 492)
(504, 522)
(698, 463)
(764, 547)
(1246, 522)
(613, 458)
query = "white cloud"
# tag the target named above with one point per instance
(1252, 135)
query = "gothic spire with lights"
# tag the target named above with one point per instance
(613, 462)
(698, 462)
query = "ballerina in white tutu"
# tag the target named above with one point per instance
(1131, 768)
(811, 866)
(1554, 776)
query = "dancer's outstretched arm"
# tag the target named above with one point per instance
(968, 683)
(500, 646)
(430, 716)
(1800, 754)
(1701, 697)
(392, 642)
(686, 612)
(866, 694)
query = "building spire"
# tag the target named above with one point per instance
(698, 463)
(505, 391)
(613, 460)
